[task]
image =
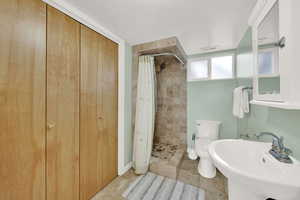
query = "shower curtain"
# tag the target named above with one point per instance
(145, 114)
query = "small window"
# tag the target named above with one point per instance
(222, 67)
(198, 70)
(211, 68)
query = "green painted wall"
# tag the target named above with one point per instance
(128, 103)
(211, 100)
(279, 121)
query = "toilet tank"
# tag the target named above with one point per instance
(207, 129)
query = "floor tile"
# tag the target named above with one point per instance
(215, 189)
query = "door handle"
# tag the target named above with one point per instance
(50, 125)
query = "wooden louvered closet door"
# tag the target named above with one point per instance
(40, 100)
(63, 66)
(22, 99)
(98, 112)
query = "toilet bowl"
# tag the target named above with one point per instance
(207, 132)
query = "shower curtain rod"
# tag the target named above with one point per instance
(165, 54)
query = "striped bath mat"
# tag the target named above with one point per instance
(154, 187)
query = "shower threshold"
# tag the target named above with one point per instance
(166, 159)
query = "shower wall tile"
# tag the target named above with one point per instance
(171, 98)
(170, 125)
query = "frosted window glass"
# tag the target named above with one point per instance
(221, 67)
(244, 65)
(265, 62)
(199, 69)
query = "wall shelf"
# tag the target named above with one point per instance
(282, 105)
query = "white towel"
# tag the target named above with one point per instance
(240, 102)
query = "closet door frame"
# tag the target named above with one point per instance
(89, 22)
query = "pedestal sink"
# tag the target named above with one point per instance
(253, 174)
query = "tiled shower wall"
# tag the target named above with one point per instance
(171, 121)
(170, 125)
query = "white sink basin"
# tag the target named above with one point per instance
(253, 174)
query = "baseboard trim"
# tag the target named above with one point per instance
(125, 169)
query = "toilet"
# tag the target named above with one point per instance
(207, 132)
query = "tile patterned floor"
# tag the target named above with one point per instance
(216, 188)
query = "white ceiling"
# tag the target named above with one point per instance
(196, 23)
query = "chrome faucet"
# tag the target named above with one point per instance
(278, 150)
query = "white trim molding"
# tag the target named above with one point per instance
(81, 17)
(84, 19)
(121, 109)
(125, 168)
(256, 10)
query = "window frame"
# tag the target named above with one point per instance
(209, 66)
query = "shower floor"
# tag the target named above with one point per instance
(166, 159)
(164, 151)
